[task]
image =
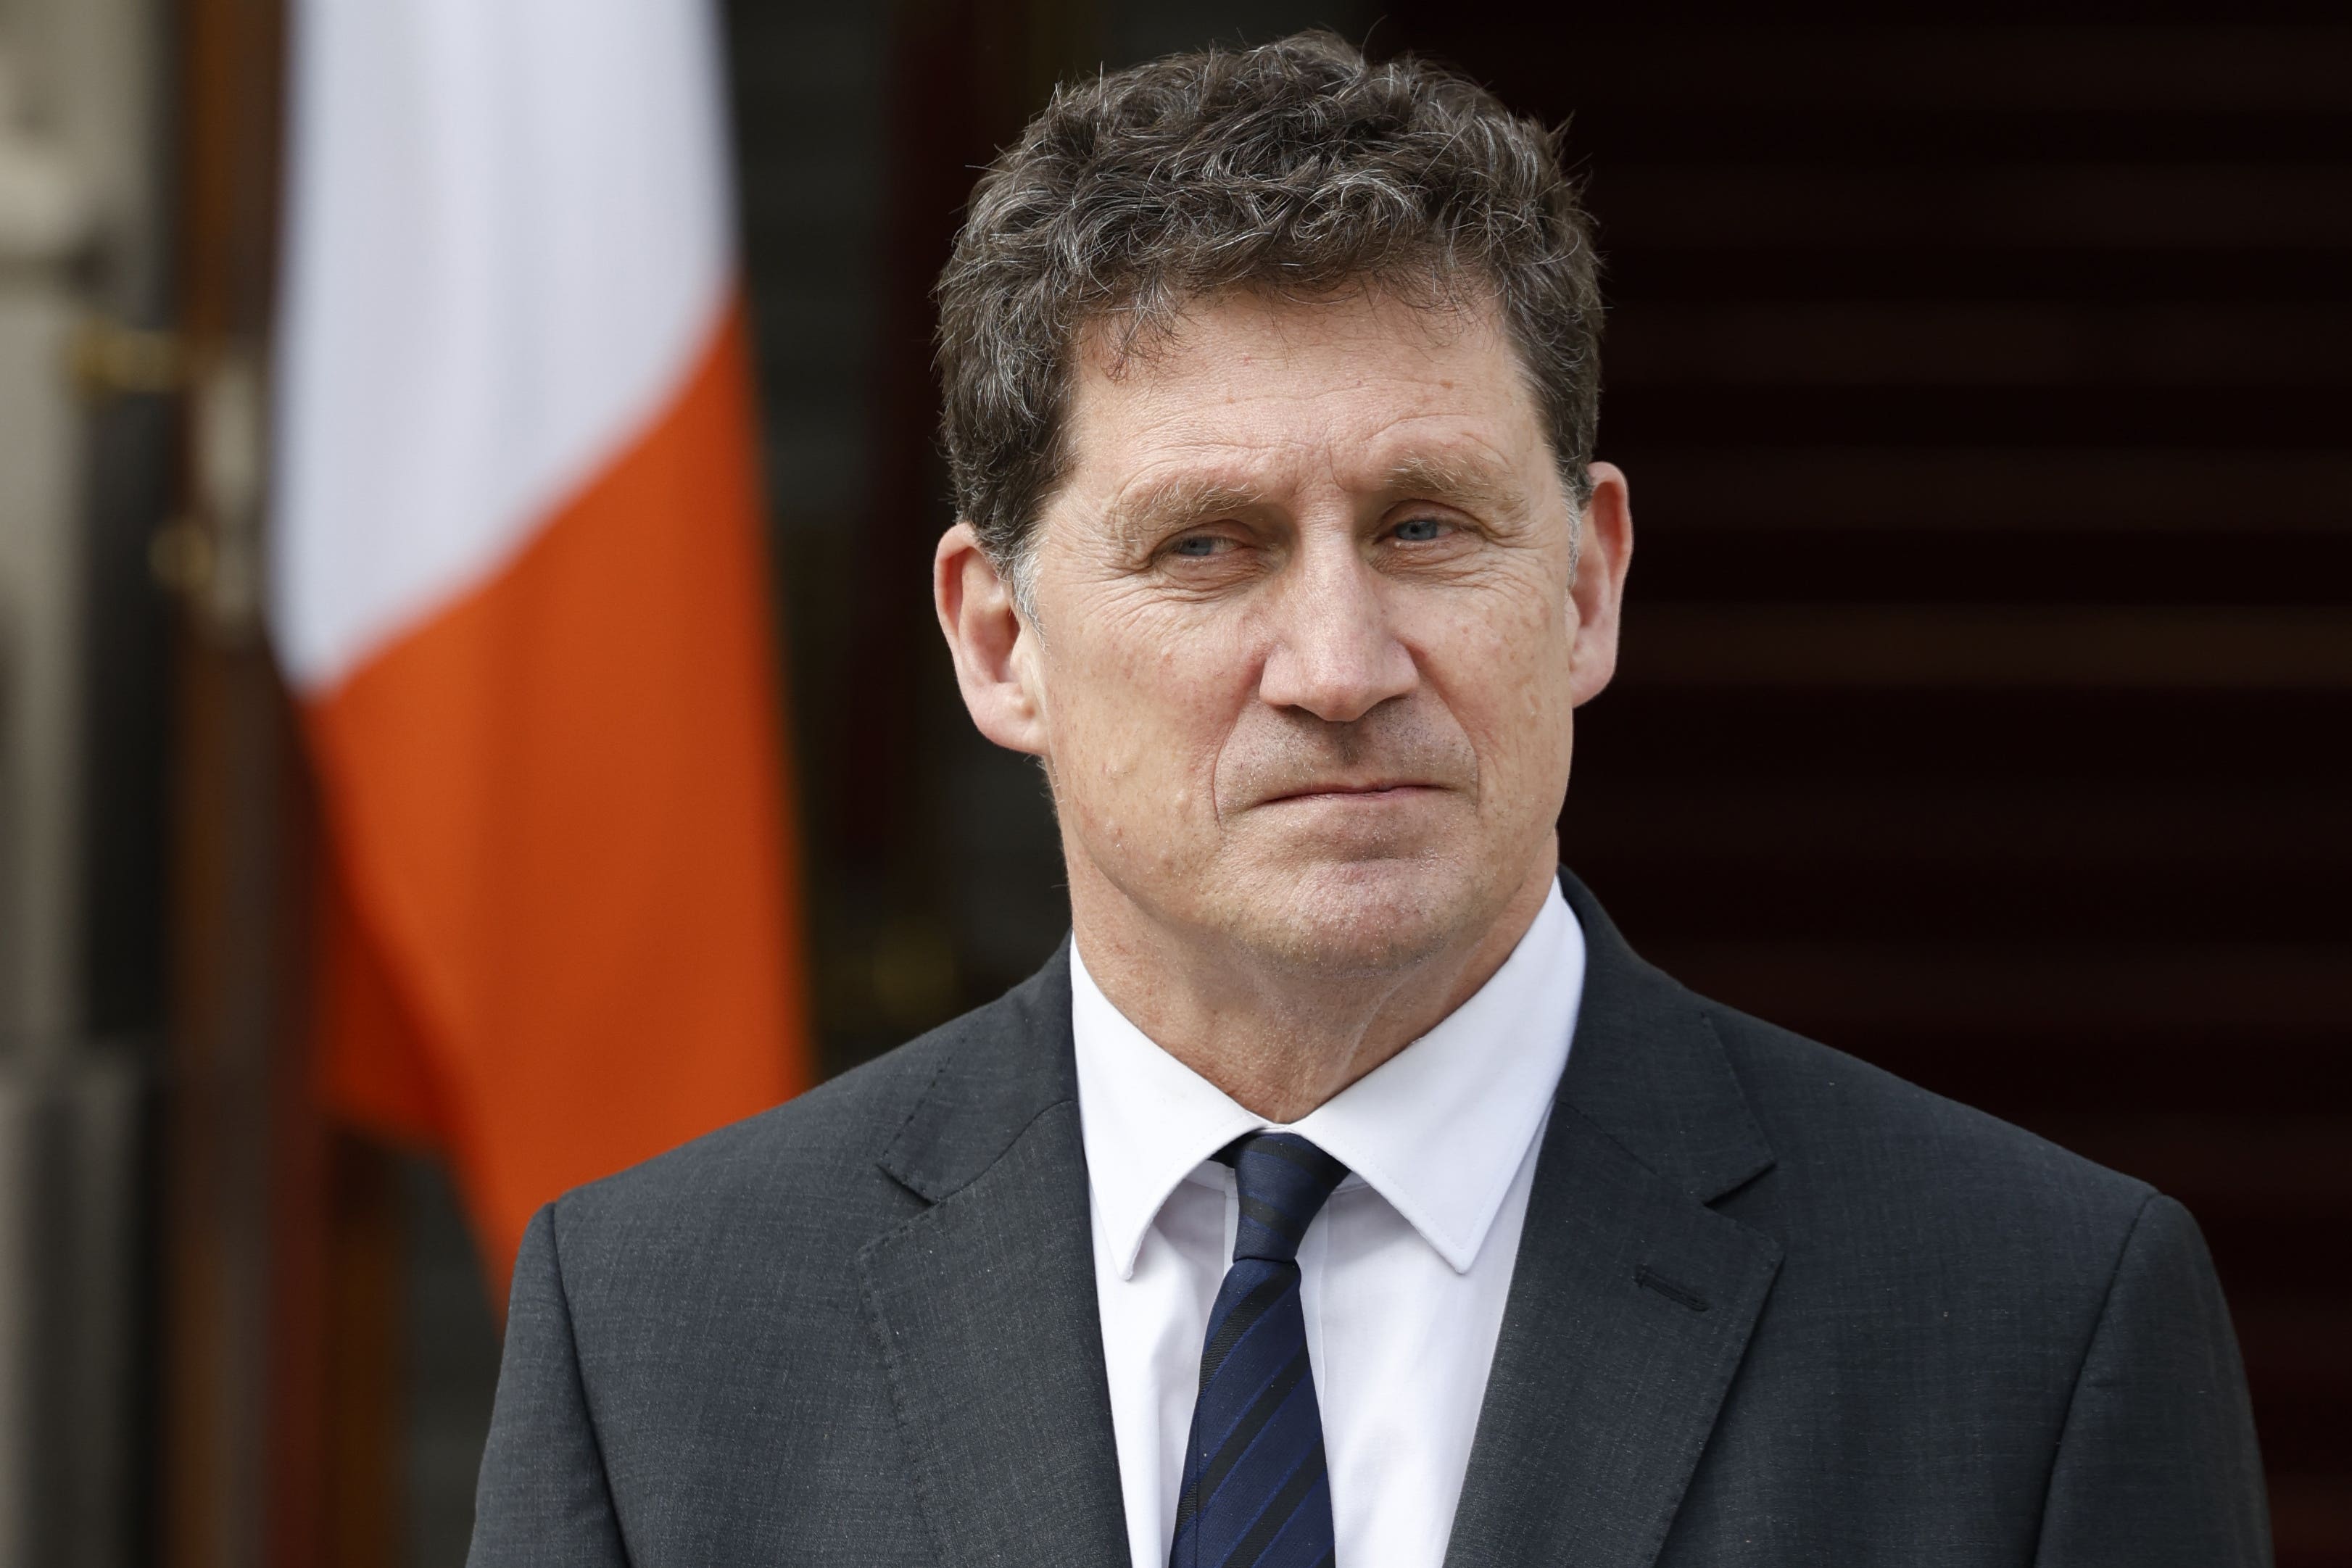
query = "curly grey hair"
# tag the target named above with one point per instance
(1299, 168)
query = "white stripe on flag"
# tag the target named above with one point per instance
(508, 233)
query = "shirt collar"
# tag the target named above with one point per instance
(1438, 1130)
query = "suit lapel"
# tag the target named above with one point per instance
(1632, 1300)
(983, 1304)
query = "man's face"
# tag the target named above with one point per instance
(1304, 653)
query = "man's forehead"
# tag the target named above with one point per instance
(1218, 334)
(1246, 401)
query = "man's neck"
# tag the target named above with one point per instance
(1281, 1039)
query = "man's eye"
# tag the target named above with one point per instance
(1420, 531)
(1197, 545)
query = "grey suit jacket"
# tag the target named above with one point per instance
(1771, 1306)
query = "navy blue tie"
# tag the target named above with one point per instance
(1256, 1492)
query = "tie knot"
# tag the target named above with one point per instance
(1283, 1180)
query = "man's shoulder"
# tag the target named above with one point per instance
(825, 1140)
(814, 1173)
(1828, 1140)
(1856, 1147)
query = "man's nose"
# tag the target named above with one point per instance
(1335, 655)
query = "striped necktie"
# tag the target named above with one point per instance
(1256, 1491)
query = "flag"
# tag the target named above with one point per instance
(517, 589)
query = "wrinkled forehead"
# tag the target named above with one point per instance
(1248, 391)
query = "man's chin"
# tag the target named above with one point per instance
(1368, 915)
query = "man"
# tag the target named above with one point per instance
(1345, 1190)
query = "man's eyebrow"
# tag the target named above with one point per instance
(1470, 483)
(1140, 515)
(1179, 501)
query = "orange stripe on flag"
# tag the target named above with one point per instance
(564, 941)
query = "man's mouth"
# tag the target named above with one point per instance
(1370, 791)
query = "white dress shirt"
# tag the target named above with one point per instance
(1403, 1273)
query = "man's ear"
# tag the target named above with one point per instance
(1606, 552)
(990, 642)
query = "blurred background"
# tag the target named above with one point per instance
(1984, 380)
